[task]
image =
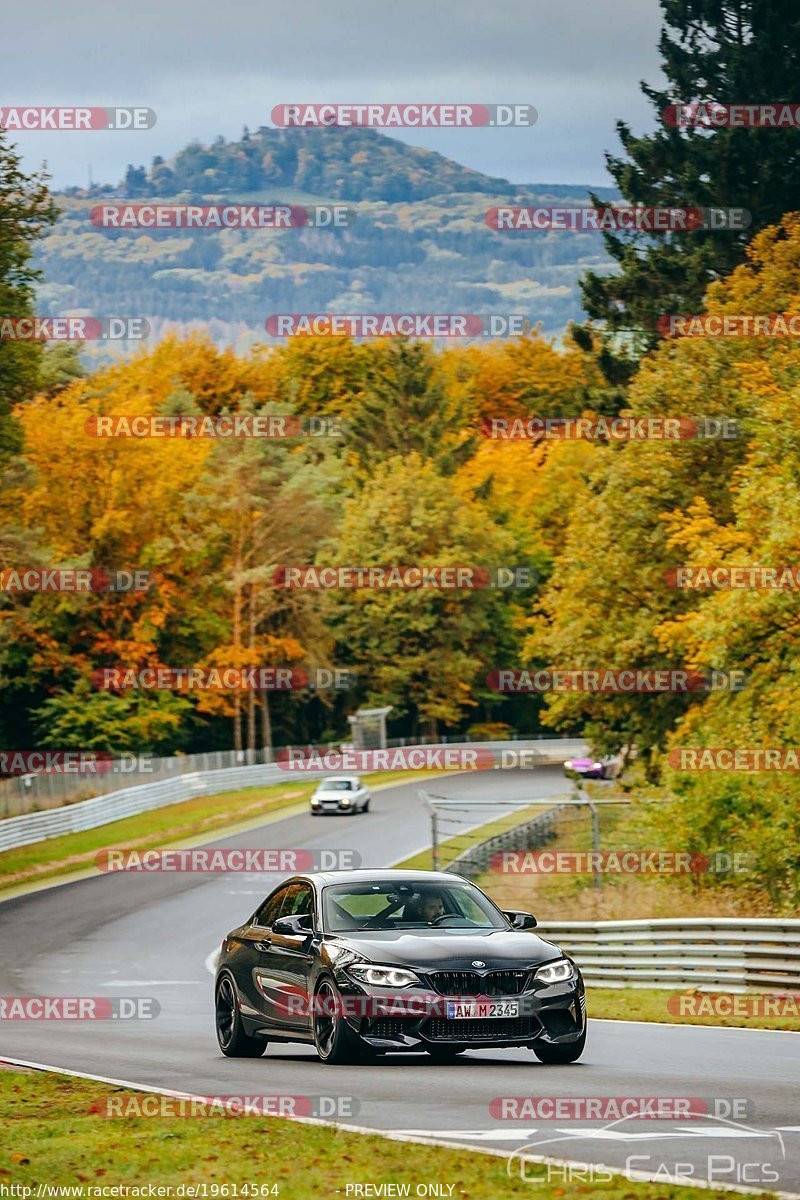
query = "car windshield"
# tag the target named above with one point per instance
(336, 785)
(412, 904)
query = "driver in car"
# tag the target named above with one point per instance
(425, 907)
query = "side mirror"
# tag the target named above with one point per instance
(520, 919)
(292, 926)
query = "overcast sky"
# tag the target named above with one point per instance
(208, 68)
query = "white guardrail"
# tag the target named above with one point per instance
(128, 802)
(737, 954)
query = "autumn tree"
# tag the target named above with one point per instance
(26, 210)
(421, 650)
(260, 504)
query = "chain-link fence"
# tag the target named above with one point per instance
(36, 792)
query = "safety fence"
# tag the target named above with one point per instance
(528, 836)
(735, 954)
(33, 791)
(102, 810)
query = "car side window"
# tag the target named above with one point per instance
(271, 908)
(298, 901)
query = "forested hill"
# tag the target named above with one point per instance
(419, 242)
(341, 164)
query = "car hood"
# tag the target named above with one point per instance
(435, 950)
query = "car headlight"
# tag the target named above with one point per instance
(382, 976)
(598, 766)
(568, 764)
(555, 972)
(345, 800)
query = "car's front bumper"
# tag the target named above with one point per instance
(416, 1018)
(331, 806)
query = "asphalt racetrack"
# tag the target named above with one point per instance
(155, 934)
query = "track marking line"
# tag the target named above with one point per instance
(688, 1025)
(111, 983)
(393, 1136)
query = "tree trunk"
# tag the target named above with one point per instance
(251, 695)
(237, 721)
(266, 727)
(237, 634)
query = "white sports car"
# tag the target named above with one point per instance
(340, 794)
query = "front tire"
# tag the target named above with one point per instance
(334, 1039)
(233, 1041)
(565, 1052)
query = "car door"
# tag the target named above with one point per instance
(358, 794)
(284, 964)
(249, 952)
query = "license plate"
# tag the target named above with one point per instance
(481, 1009)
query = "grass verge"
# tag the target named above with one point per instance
(450, 848)
(55, 1133)
(570, 896)
(650, 1004)
(164, 827)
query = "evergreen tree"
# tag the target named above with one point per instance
(716, 51)
(135, 181)
(406, 407)
(26, 209)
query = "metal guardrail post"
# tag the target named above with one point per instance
(435, 839)
(598, 881)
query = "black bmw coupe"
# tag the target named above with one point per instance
(361, 963)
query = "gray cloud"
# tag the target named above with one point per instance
(209, 68)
